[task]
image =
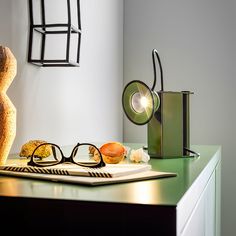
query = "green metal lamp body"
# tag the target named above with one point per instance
(168, 130)
(167, 116)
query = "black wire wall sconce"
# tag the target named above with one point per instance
(54, 44)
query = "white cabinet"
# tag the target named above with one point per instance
(196, 224)
(198, 213)
(218, 199)
(185, 205)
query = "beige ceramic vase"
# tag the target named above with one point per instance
(8, 67)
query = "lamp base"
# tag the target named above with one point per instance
(168, 130)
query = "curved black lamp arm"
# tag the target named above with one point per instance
(154, 52)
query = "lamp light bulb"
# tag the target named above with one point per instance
(144, 101)
(139, 102)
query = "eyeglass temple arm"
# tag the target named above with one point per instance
(54, 153)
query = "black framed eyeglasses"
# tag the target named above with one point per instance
(50, 154)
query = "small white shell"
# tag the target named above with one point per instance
(139, 156)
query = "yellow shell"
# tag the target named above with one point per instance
(28, 148)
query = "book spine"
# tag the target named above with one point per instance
(35, 170)
(87, 171)
(98, 173)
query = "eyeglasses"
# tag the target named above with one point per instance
(50, 154)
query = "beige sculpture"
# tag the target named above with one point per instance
(8, 67)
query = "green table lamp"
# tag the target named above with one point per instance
(165, 112)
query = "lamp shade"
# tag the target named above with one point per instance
(139, 102)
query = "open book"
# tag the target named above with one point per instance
(108, 171)
(111, 173)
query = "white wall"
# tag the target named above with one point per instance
(196, 43)
(67, 105)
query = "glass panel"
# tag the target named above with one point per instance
(86, 154)
(47, 154)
